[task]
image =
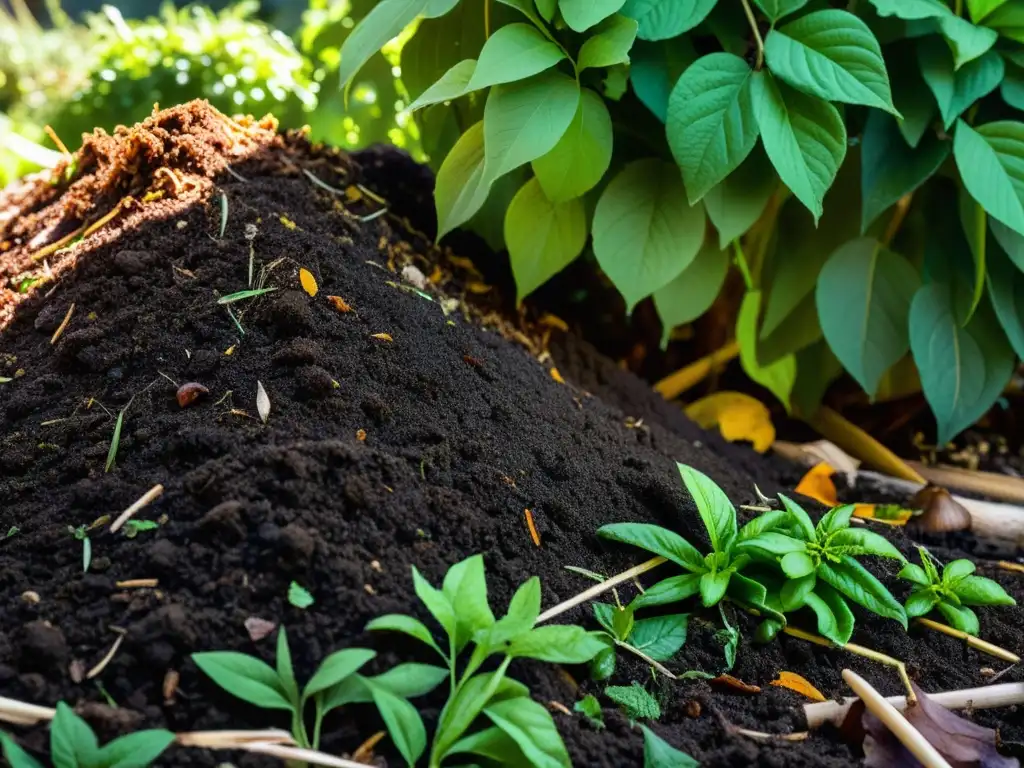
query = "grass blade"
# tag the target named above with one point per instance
(242, 295)
(114, 442)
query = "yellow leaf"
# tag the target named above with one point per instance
(795, 682)
(556, 376)
(738, 416)
(383, 336)
(817, 484)
(308, 282)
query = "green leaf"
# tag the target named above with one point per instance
(890, 169)
(657, 540)
(530, 725)
(966, 40)
(974, 222)
(920, 603)
(714, 507)
(1012, 87)
(547, 9)
(543, 237)
(436, 8)
(866, 542)
(914, 574)
(465, 587)
(245, 677)
(977, 590)
(753, 594)
(779, 376)
(285, 671)
(773, 543)
(797, 565)
(833, 55)
(1008, 21)
(513, 52)
(635, 701)
(580, 158)
(910, 93)
(739, 200)
(452, 84)
(991, 164)
(299, 596)
(470, 700)
(590, 708)
(795, 591)
(644, 231)
(558, 644)
(956, 90)
(670, 590)
(979, 9)
(135, 750)
(609, 45)
(713, 587)
(385, 20)
(711, 127)
(436, 602)
(603, 665)
(864, 295)
(857, 583)
(963, 370)
(581, 15)
(805, 138)
(959, 617)
(658, 753)
(525, 120)
(660, 637)
(776, 9)
(835, 620)
(763, 523)
(1006, 289)
(654, 69)
(662, 19)
(693, 290)
(337, 667)
(16, 756)
(407, 625)
(460, 189)
(957, 570)
(494, 744)
(835, 520)
(1011, 243)
(800, 518)
(72, 742)
(403, 722)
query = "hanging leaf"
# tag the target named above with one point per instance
(956, 89)
(692, 292)
(581, 15)
(609, 45)
(460, 189)
(580, 158)
(513, 52)
(262, 402)
(989, 159)
(966, 40)
(738, 417)
(664, 19)
(654, 69)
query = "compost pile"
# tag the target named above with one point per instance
(411, 422)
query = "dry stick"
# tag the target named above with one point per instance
(1006, 565)
(145, 499)
(974, 642)
(762, 736)
(232, 739)
(106, 659)
(601, 588)
(138, 583)
(637, 652)
(676, 383)
(857, 650)
(908, 735)
(299, 754)
(20, 713)
(986, 697)
(63, 324)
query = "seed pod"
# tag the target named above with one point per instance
(187, 393)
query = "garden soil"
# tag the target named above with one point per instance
(415, 429)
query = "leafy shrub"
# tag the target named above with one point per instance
(522, 731)
(859, 167)
(951, 592)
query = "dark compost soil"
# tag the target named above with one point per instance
(378, 454)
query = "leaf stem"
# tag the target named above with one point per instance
(741, 263)
(640, 654)
(487, 19)
(898, 215)
(757, 33)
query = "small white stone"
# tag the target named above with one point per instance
(413, 275)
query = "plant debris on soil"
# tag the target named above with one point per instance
(406, 415)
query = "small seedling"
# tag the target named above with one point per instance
(74, 745)
(523, 732)
(335, 683)
(299, 596)
(951, 592)
(115, 441)
(134, 527)
(81, 533)
(653, 640)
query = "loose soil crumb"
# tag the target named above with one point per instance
(414, 429)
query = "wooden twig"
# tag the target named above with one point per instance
(63, 325)
(908, 735)
(143, 500)
(20, 713)
(1006, 565)
(990, 484)
(763, 736)
(601, 588)
(106, 659)
(974, 642)
(138, 584)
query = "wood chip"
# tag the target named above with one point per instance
(1008, 566)
(736, 684)
(170, 686)
(361, 435)
(364, 752)
(262, 402)
(258, 628)
(531, 527)
(139, 584)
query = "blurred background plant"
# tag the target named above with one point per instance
(74, 67)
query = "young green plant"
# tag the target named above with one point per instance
(335, 683)
(654, 640)
(951, 592)
(522, 731)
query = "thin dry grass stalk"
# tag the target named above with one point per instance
(143, 501)
(599, 589)
(974, 642)
(20, 713)
(232, 739)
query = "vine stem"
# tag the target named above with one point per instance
(757, 33)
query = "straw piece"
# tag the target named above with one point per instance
(63, 325)
(908, 735)
(138, 584)
(106, 659)
(601, 588)
(974, 642)
(299, 754)
(20, 713)
(232, 739)
(144, 500)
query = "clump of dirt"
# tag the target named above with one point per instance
(411, 422)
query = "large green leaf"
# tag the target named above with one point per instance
(657, 540)
(805, 138)
(832, 55)
(337, 667)
(580, 158)
(1008, 20)
(963, 370)
(660, 637)
(134, 750)
(654, 69)
(979, 9)
(735, 203)
(858, 584)
(465, 587)
(991, 163)
(610, 43)
(15, 755)
(776, 9)
(835, 619)
(658, 753)
(72, 742)
(779, 376)
(863, 295)
(384, 21)
(966, 40)
(889, 168)
(451, 85)
(460, 189)
(525, 120)
(662, 19)
(692, 292)
(514, 52)
(403, 722)
(1006, 289)
(711, 127)
(581, 15)
(542, 237)
(956, 90)
(644, 231)
(1011, 242)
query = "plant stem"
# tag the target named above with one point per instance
(741, 262)
(902, 206)
(487, 19)
(974, 642)
(656, 665)
(599, 589)
(757, 33)
(958, 7)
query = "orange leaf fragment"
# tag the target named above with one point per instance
(556, 376)
(339, 303)
(818, 485)
(798, 684)
(361, 435)
(532, 528)
(736, 684)
(308, 282)
(383, 336)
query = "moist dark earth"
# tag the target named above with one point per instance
(418, 447)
